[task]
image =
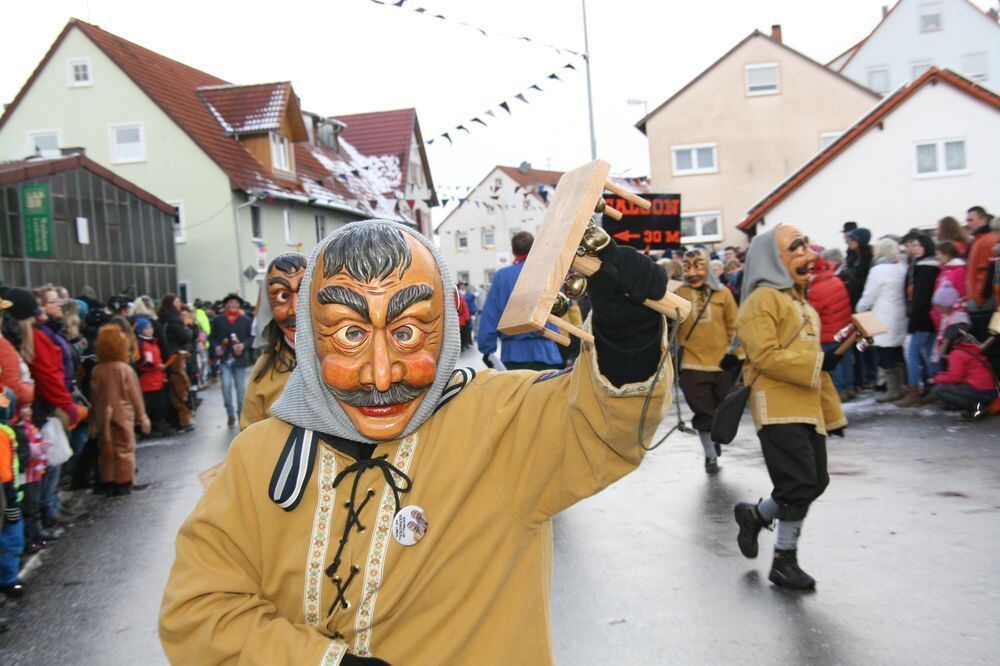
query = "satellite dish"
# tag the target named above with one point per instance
(525, 167)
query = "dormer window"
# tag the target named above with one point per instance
(78, 72)
(930, 17)
(280, 158)
(762, 79)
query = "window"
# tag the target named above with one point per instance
(878, 79)
(180, 233)
(826, 138)
(127, 143)
(918, 68)
(930, 18)
(974, 66)
(941, 158)
(694, 159)
(703, 227)
(762, 79)
(289, 227)
(45, 142)
(320, 227)
(488, 274)
(279, 153)
(497, 184)
(489, 239)
(463, 276)
(461, 241)
(78, 72)
(256, 227)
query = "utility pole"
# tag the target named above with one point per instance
(590, 94)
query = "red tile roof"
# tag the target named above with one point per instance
(870, 119)
(23, 170)
(248, 109)
(533, 176)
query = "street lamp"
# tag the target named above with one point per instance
(636, 102)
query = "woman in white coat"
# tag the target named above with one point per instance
(885, 295)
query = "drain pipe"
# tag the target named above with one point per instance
(239, 243)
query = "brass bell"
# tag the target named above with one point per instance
(575, 286)
(595, 240)
(561, 306)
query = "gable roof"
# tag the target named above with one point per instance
(524, 179)
(885, 107)
(641, 125)
(255, 108)
(854, 50)
(22, 170)
(388, 133)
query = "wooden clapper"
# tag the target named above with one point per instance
(863, 327)
(567, 241)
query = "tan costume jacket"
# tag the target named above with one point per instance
(489, 470)
(780, 332)
(711, 338)
(263, 393)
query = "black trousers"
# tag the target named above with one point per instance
(703, 392)
(795, 455)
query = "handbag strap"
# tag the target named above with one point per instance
(784, 346)
(708, 301)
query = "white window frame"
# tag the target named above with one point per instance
(180, 231)
(696, 170)
(493, 233)
(703, 238)
(930, 9)
(924, 64)
(276, 140)
(829, 137)
(762, 65)
(260, 221)
(113, 143)
(71, 74)
(488, 275)
(459, 237)
(980, 76)
(462, 276)
(320, 221)
(941, 172)
(289, 225)
(30, 135)
(888, 79)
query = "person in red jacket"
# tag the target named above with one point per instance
(45, 361)
(828, 295)
(969, 379)
(978, 291)
(464, 320)
(152, 376)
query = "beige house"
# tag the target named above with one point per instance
(740, 127)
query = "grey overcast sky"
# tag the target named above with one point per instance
(346, 56)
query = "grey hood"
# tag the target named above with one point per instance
(763, 267)
(711, 279)
(307, 402)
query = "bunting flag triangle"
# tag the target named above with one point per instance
(535, 86)
(505, 106)
(463, 128)
(554, 76)
(477, 120)
(445, 135)
(444, 202)
(568, 65)
(461, 201)
(411, 202)
(521, 97)
(491, 114)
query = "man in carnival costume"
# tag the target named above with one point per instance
(396, 510)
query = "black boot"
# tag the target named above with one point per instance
(750, 524)
(711, 466)
(124, 489)
(785, 572)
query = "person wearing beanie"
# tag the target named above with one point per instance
(394, 509)
(152, 376)
(950, 311)
(793, 399)
(885, 296)
(13, 370)
(706, 366)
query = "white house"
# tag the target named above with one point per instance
(250, 173)
(475, 237)
(916, 35)
(929, 149)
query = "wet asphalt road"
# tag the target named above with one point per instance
(902, 544)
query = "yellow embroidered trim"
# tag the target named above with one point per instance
(702, 368)
(312, 596)
(334, 654)
(814, 382)
(375, 566)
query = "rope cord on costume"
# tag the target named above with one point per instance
(389, 471)
(671, 344)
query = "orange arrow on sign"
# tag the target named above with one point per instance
(626, 235)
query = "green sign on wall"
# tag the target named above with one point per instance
(36, 211)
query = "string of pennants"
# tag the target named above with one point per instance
(505, 105)
(398, 4)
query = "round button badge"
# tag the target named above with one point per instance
(409, 525)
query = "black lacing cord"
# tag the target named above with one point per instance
(671, 350)
(390, 472)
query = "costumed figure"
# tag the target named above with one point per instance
(706, 366)
(396, 510)
(276, 338)
(793, 399)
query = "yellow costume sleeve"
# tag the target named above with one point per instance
(254, 401)
(213, 610)
(758, 330)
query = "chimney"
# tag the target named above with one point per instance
(776, 32)
(993, 14)
(885, 10)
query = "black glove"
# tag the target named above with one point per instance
(12, 514)
(730, 362)
(830, 360)
(839, 432)
(486, 361)
(627, 334)
(354, 660)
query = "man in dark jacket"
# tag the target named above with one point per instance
(920, 278)
(231, 341)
